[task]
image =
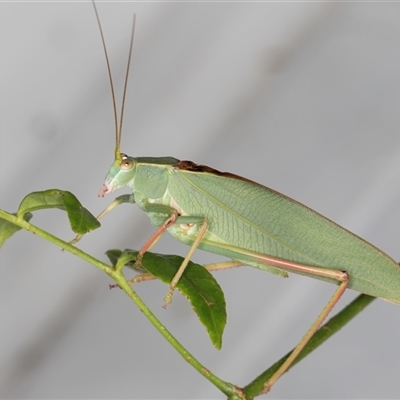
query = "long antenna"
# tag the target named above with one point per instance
(118, 129)
(126, 77)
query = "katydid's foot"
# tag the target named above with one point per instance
(138, 262)
(168, 297)
(76, 239)
(140, 278)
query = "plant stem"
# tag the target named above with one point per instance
(227, 388)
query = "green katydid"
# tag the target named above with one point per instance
(226, 214)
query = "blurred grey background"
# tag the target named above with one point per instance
(301, 97)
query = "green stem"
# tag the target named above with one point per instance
(324, 333)
(227, 388)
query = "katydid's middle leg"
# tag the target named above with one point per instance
(193, 247)
(156, 236)
(174, 218)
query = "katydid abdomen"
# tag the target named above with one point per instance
(247, 220)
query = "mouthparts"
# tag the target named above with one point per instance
(103, 190)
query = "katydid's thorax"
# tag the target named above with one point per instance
(156, 182)
(151, 180)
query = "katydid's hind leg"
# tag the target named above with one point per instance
(223, 265)
(343, 279)
(193, 247)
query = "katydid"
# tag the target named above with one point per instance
(226, 214)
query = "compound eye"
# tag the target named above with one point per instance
(126, 163)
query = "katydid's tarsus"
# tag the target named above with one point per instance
(226, 214)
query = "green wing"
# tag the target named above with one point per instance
(246, 217)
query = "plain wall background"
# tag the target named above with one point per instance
(301, 97)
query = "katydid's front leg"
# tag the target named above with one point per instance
(156, 211)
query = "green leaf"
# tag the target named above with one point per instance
(41, 200)
(196, 284)
(127, 258)
(80, 219)
(7, 229)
